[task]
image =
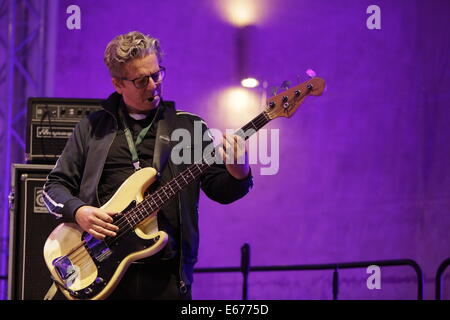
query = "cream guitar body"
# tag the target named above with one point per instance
(86, 268)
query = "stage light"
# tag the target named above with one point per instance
(236, 105)
(249, 82)
(238, 99)
(242, 13)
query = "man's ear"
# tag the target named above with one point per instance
(118, 84)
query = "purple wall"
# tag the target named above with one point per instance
(364, 169)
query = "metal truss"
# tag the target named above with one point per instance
(23, 28)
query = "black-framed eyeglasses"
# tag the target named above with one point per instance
(142, 82)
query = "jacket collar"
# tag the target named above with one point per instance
(112, 104)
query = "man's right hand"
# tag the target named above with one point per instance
(96, 221)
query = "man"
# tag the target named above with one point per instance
(131, 133)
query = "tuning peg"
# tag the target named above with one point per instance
(311, 73)
(273, 91)
(285, 85)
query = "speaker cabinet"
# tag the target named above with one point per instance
(30, 225)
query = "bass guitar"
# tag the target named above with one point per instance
(86, 268)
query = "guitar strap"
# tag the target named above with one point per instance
(162, 148)
(51, 292)
(160, 156)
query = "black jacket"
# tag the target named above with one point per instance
(73, 182)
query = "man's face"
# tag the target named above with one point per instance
(137, 100)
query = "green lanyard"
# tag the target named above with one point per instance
(132, 144)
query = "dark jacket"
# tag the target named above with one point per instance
(73, 182)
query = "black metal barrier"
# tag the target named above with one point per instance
(438, 281)
(245, 269)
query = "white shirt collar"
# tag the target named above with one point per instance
(138, 116)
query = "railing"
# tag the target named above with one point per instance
(438, 282)
(245, 269)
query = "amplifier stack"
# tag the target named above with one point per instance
(29, 226)
(50, 124)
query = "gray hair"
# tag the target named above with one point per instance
(126, 47)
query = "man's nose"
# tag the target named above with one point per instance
(151, 84)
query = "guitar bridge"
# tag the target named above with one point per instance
(66, 270)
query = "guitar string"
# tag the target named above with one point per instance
(136, 212)
(200, 166)
(132, 212)
(85, 254)
(259, 121)
(76, 258)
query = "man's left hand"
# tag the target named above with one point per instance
(234, 155)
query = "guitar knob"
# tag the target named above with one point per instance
(271, 104)
(273, 91)
(285, 85)
(99, 280)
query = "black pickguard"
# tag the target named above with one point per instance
(108, 254)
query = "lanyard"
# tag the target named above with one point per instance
(133, 144)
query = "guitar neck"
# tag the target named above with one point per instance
(253, 126)
(165, 193)
(283, 104)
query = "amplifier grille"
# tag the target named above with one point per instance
(51, 122)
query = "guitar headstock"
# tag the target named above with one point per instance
(287, 102)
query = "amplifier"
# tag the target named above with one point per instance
(51, 122)
(30, 225)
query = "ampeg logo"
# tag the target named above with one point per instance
(39, 206)
(54, 132)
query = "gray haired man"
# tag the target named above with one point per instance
(100, 155)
